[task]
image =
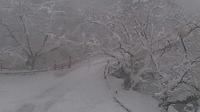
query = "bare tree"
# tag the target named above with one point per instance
(24, 38)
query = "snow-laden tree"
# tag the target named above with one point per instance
(157, 50)
(28, 27)
(142, 27)
(38, 29)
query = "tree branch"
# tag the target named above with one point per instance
(25, 31)
(43, 44)
(14, 37)
(46, 52)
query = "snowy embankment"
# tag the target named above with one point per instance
(82, 89)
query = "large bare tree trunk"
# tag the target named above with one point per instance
(70, 62)
(31, 61)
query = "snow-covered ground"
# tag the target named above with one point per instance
(82, 89)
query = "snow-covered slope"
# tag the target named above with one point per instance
(81, 90)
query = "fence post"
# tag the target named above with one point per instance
(62, 66)
(55, 66)
(1, 65)
(70, 62)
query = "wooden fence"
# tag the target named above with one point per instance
(55, 66)
(65, 64)
(3, 67)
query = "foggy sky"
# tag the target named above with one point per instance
(190, 5)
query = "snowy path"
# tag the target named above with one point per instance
(81, 90)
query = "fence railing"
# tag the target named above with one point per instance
(65, 64)
(55, 66)
(2, 67)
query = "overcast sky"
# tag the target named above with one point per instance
(191, 5)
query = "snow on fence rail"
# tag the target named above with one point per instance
(23, 71)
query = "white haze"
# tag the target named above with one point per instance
(190, 5)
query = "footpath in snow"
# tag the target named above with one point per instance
(81, 90)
